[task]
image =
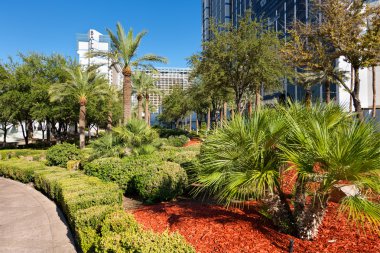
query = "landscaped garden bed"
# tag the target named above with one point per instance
(212, 228)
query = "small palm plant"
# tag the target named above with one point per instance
(124, 53)
(80, 86)
(322, 145)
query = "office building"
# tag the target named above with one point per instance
(280, 14)
(95, 41)
(166, 80)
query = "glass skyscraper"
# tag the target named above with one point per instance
(279, 14)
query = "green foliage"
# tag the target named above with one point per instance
(20, 153)
(120, 233)
(177, 141)
(60, 154)
(174, 106)
(166, 133)
(162, 181)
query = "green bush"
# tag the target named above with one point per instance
(36, 155)
(121, 233)
(177, 141)
(60, 154)
(166, 133)
(160, 181)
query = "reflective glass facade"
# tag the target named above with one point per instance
(279, 14)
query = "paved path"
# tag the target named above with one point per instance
(30, 222)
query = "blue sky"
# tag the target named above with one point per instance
(50, 26)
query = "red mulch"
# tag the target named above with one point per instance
(193, 142)
(211, 228)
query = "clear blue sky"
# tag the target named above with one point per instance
(50, 26)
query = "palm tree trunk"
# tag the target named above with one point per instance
(147, 115)
(127, 94)
(327, 91)
(221, 116)
(258, 99)
(82, 125)
(208, 119)
(139, 107)
(225, 111)
(309, 221)
(357, 103)
(109, 121)
(373, 92)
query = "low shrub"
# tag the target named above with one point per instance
(110, 169)
(178, 141)
(121, 233)
(166, 133)
(60, 154)
(160, 181)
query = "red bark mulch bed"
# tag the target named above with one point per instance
(193, 142)
(211, 228)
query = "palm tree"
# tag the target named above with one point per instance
(81, 85)
(124, 53)
(324, 146)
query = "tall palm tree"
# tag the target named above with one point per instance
(124, 53)
(81, 85)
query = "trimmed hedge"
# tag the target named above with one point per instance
(20, 153)
(149, 176)
(60, 154)
(90, 206)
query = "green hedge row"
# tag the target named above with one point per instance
(18, 153)
(152, 178)
(93, 210)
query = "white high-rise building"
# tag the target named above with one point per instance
(95, 41)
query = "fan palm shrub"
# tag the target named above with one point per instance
(322, 145)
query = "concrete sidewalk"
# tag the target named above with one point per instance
(30, 222)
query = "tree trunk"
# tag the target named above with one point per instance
(373, 92)
(25, 135)
(5, 135)
(232, 113)
(208, 119)
(48, 129)
(147, 115)
(139, 107)
(310, 220)
(357, 103)
(109, 122)
(225, 111)
(82, 125)
(308, 97)
(221, 117)
(190, 122)
(197, 123)
(250, 108)
(30, 129)
(327, 91)
(352, 85)
(127, 94)
(258, 99)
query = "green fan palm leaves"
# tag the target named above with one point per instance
(326, 147)
(240, 160)
(80, 86)
(124, 53)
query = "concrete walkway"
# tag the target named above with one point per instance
(30, 222)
